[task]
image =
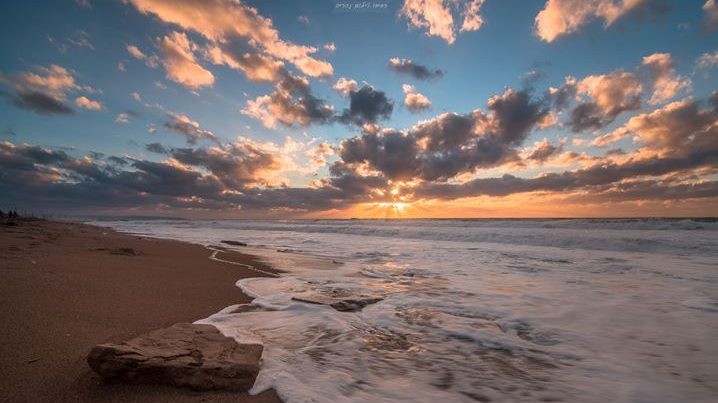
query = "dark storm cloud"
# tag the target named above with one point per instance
(366, 105)
(544, 151)
(393, 153)
(43, 90)
(513, 116)
(597, 175)
(39, 102)
(586, 116)
(235, 165)
(589, 115)
(649, 190)
(35, 178)
(450, 144)
(410, 68)
(156, 148)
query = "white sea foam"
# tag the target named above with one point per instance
(478, 310)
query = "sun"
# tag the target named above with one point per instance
(395, 207)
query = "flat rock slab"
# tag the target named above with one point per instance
(185, 354)
(347, 304)
(235, 243)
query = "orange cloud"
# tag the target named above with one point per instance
(436, 16)
(221, 21)
(256, 66)
(291, 103)
(667, 84)
(415, 101)
(345, 86)
(180, 63)
(563, 17)
(86, 103)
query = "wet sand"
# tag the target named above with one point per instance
(65, 287)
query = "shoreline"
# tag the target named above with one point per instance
(68, 286)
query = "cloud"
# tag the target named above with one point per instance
(432, 15)
(707, 60)
(40, 103)
(449, 144)
(542, 151)
(124, 117)
(318, 155)
(710, 20)
(414, 101)
(56, 81)
(563, 17)
(225, 21)
(410, 68)
(513, 115)
(472, 19)
(680, 137)
(345, 86)
(603, 98)
(190, 129)
(255, 65)
(180, 63)
(135, 52)
(366, 105)
(43, 91)
(235, 165)
(652, 190)
(678, 128)
(666, 83)
(436, 16)
(303, 19)
(80, 39)
(291, 104)
(84, 102)
(151, 61)
(429, 161)
(330, 47)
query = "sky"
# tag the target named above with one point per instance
(367, 109)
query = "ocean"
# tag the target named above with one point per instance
(573, 310)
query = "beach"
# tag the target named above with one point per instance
(466, 310)
(370, 310)
(65, 287)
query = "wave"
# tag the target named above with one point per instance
(670, 236)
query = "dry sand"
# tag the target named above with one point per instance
(65, 287)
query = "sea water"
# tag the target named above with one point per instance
(621, 310)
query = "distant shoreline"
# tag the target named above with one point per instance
(68, 286)
(158, 218)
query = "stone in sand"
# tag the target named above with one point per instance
(349, 304)
(191, 355)
(235, 243)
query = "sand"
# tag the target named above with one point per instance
(65, 287)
